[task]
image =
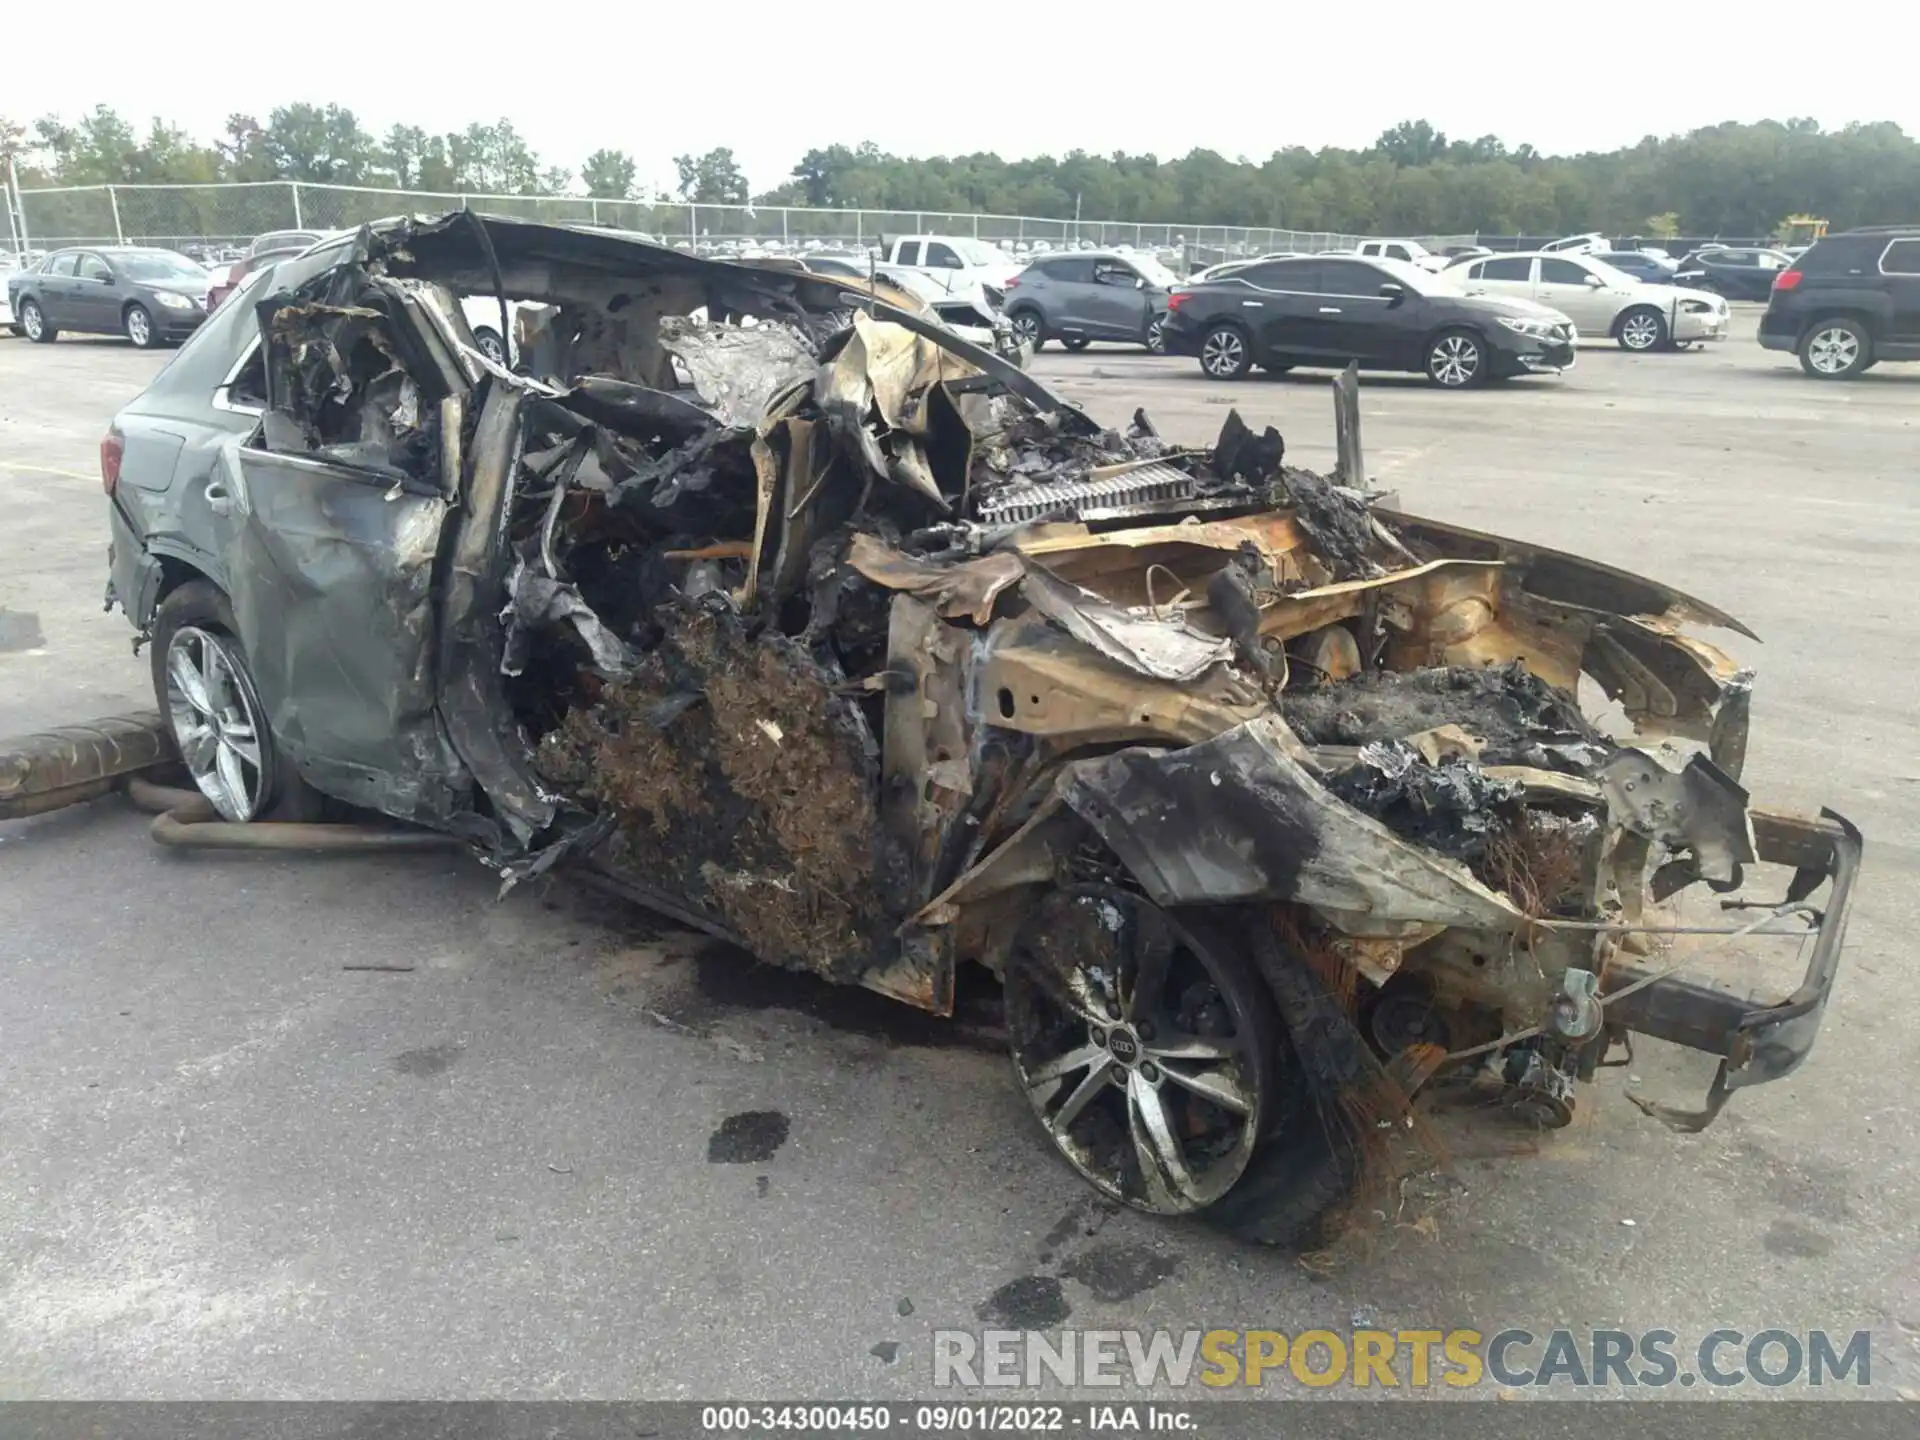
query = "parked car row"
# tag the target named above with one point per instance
(1462, 318)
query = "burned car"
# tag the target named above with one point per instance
(809, 624)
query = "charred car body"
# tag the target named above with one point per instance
(822, 630)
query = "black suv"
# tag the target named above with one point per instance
(1850, 302)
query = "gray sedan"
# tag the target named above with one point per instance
(150, 296)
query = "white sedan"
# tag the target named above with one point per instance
(1600, 299)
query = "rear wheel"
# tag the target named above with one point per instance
(1836, 349)
(1157, 335)
(207, 696)
(34, 324)
(1457, 359)
(1225, 353)
(1642, 328)
(488, 343)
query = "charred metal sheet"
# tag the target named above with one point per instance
(1700, 810)
(1162, 649)
(1011, 376)
(1238, 819)
(1556, 575)
(738, 371)
(472, 702)
(537, 602)
(960, 591)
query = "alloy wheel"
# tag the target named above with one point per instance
(216, 721)
(1454, 360)
(1026, 328)
(1640, 332)
(1834, 350)
(488, 344)
(32, 321)
(1139, 1048)
(1157, 335)
(139, 328)
(1223, 354)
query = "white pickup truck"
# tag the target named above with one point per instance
(1411, 251)
(954, 263)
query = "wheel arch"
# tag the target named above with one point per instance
(1859, 314)
(1471, 327)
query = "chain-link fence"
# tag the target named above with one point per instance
(208, 220)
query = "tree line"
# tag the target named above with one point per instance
(1729, 179)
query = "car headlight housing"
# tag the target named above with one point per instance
(1529, 325)
(172, 301)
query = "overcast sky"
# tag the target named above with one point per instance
(926, 77)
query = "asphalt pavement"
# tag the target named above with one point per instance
(561, 1149)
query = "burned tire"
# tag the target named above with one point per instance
(212, 710)
(1144, 1045)
(1309, 1159)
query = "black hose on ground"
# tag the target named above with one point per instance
(186, 820)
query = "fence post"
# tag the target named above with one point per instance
(119, 236)
(784, 236)
(17, 210)
(298, 223)
(860, 228)
(593, 209)
(693, 223)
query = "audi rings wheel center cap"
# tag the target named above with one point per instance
(1124, 1045)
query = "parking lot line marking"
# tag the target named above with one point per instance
(46, 470)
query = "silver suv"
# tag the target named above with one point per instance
(1087, 295)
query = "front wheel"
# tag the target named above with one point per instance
(1641, 329)
(1145, 1049)
(487, 342)
(1028, 328)
(1225, 354)
(1836, 349)
(1456, 360)
(33, 322)
(138, 322)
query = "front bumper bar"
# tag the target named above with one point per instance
(1755, 1044)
